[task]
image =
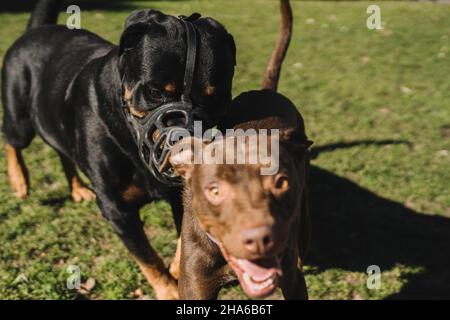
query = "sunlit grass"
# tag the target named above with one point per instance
(350, 83)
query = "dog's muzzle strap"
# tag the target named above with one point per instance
(190, 60)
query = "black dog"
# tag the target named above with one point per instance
(69, 86)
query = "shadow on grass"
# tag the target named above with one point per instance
(316, 151)
(55, 202)
(354, 228)
(107, 5)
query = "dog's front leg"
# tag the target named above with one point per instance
(200, 275)
(129, 227)
(293, 283)
(295, 289)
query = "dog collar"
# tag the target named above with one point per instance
(153, 134)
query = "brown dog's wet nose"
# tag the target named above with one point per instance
(258, 240)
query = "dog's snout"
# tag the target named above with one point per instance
(258, 240)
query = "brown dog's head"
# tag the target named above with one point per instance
(248, 214)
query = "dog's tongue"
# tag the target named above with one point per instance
(258, 278)
(262, 269)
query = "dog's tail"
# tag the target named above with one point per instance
(273, 68)
(45, 12)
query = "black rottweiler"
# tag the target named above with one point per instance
(71, 87)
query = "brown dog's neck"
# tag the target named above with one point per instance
(193, 234)
(191, 226)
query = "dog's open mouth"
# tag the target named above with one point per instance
(258, 278)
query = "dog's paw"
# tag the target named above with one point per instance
(174, 269)
(82, 194)
(19, 185)
(167, 291)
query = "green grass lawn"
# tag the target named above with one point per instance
(376, 104)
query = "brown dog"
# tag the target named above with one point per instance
(238, 222)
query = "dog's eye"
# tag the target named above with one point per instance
(214, 191)
(156, 94)
(214, 194)
(282, 182)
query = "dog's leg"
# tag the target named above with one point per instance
(17, 172)
(130, 230)
(200, 277)
(156, 274)
(17, 125)
(176, 203)
(304, 233)
(174, 268)
(77, 187)
(295, 288)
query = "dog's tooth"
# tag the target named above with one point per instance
(257, 286)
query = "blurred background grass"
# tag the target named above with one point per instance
(377, 105)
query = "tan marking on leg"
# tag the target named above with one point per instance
(17, 172)
(80, 192)
(132, 193)
(174, 268)
(156, 274)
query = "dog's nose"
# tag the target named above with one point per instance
(258, 240)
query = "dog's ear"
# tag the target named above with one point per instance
(297, 141)
(146, 16)
(131, 36)
(194, 16)
(301, 150)
(137, 25)
(181, 157)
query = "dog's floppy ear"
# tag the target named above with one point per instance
(194, 16)
(181, 157)
(131, 36)
(297, 140)
(137, 25)
(142, 16)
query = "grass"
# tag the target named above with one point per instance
(377, 105)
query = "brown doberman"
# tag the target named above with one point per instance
(238, 222)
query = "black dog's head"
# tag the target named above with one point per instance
(153, 54)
